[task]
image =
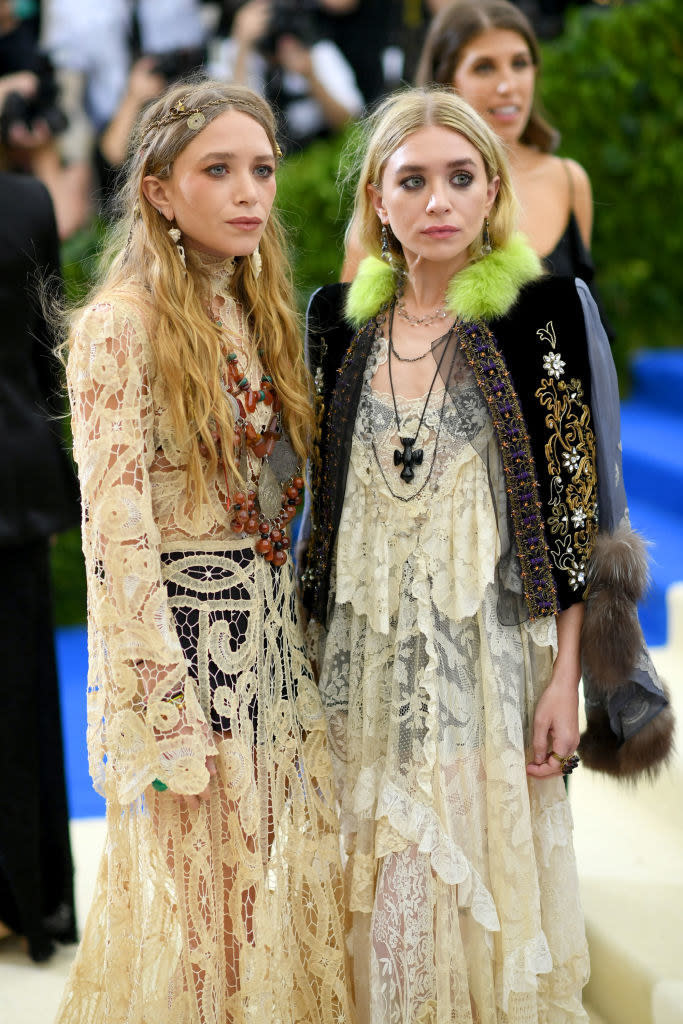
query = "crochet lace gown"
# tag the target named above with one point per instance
(460, 874)
(231, 912)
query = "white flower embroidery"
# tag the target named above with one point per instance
(571, 460)
(578, 517)
(553, 364)
(577, 576)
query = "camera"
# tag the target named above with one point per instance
(289, 18)
(177, 64)
(42, 106)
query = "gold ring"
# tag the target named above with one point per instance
(568, 763)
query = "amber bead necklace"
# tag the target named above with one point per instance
(271, 506)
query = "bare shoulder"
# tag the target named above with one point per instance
(579, 176)
(582, 197)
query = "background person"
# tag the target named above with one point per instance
(275, 48)
(39, 500)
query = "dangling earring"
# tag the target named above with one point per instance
(256, 262)
(175, 236)
(486, 247)
(387, 254)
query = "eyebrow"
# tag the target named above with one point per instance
(414, 168)
(231, 156)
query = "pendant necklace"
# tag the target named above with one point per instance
(411, 456)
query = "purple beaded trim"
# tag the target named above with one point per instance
(492, 376)
(326, 464)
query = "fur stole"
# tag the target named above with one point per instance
(485, 289)
(611, 645)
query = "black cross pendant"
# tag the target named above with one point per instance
(409, 457)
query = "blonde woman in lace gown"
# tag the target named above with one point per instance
(454, 517)
(219, 894)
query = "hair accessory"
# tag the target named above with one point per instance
(256, 262)
(568, 763)
(196, 118)
(175, 238)
(486, 246)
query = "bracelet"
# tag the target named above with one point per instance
(159, 785)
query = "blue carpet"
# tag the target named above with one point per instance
(72, 663)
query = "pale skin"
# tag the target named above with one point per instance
(434, 196)
(220, 193)
(496, 75)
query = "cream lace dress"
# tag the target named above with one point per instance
(460, 873)
(231, 912)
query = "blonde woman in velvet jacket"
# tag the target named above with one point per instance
(470, 556)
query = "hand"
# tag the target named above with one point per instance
(20, 136)
(294, 56)
(251, 22)
(23, 82)
(145, 84)
(556, 726)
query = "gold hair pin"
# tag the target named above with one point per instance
(196, 118)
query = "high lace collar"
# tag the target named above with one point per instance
(217, 269)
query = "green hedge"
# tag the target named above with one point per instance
(612, 84)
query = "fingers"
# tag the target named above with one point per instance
(544, 771)
(540, 740)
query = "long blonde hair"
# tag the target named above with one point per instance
(185, 343)
(404, 113)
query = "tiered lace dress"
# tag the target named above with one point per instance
(231, 912)
(460, 875)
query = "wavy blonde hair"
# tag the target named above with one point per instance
(185, 342)
(387, 128)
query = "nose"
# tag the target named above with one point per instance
(439, 201)
(503, 86)
(245, 189)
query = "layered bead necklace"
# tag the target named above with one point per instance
(268, 508)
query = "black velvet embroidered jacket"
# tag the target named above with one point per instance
(533, 370)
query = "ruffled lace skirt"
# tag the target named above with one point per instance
(461, 876)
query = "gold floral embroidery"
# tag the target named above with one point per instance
(570, 454)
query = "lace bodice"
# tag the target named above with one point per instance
(133, 484)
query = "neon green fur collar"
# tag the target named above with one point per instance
(483, 290)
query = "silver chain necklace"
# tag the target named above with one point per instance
(420, 321)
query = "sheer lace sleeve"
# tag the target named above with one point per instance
(135, 731)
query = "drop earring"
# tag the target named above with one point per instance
(486, 246)
(175, 236)
(387, 254)
(256, 262)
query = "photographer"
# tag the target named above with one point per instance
(274, 47)
(31, 120)
(148, 77)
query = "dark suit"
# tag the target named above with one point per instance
(38, 497)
